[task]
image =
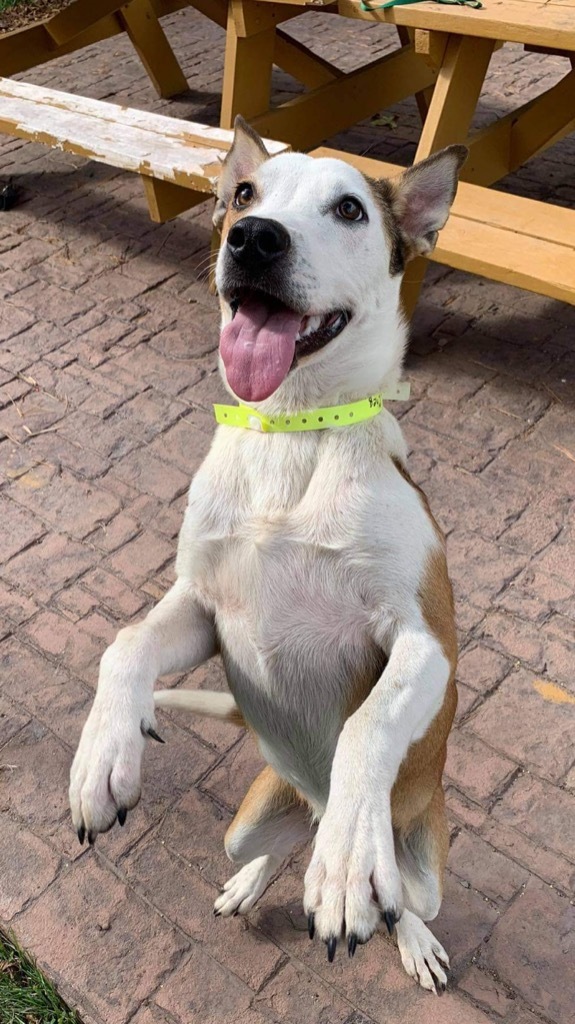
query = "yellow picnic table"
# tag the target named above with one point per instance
(442, 58)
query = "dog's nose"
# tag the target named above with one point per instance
(257, 242)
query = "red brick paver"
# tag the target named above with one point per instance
(107, 372)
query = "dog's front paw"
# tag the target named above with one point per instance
(352, 882)
(105, 775)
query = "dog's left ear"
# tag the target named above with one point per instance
(242, 161)
(423, 197)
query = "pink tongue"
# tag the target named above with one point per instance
(257, 349)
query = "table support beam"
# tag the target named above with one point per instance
(151, 44)
(511, 141)
(314, 116)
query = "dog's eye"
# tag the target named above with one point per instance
(350, 209)
(244, 195)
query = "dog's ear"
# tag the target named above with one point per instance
(422, 198)
(242, 161)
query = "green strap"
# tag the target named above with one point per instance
(365, 6)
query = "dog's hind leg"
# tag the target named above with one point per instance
(271, 820)
(421, 856)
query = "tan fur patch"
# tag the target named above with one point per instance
(420, 773)
(436, 600)
(383, 192)
(236, 718)
(268, 796)
(231, 216)
(421, 770)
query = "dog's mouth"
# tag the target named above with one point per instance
(266, 338)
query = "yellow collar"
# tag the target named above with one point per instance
(316, 419)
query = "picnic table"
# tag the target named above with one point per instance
(442, 58)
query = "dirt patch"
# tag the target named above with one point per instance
(16, 14)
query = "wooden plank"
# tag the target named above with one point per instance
(247, 73)
(252, 16)
(133, 149)
(508, 238)
(21, 50)
(151, 44)
(187, 133)
(78, 17)
(166, 201)
(456, 93)
(538, 265)
(430, 46)
(510, 20)
(301, 63)
(506, 145)
(308, 119)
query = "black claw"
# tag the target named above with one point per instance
(81, 835)
(152, 732)
(390, 920)
(122, 815)
(92, 837)
(217, 913)
(439, 986)
(352, 944)
(311, 925)
(331, 948)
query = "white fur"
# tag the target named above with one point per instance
(303, 554)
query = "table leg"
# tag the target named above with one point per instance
(423, 99)
(247, 68)
(151, 44)
(449, 116)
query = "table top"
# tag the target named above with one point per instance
(537, 22)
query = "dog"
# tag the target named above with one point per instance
(310, 562)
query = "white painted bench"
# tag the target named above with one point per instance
(178, 161)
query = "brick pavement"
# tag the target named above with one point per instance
(107, 357)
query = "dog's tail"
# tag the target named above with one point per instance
(208, 703)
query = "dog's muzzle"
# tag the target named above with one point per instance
(256, 242)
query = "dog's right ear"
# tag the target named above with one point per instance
(242, 161)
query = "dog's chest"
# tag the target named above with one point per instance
(275, 547)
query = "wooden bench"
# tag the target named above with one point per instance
(178, 161)
(507, 238)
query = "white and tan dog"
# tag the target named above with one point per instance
(309, 562)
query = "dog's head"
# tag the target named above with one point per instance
(310, 268)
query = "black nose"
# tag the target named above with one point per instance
(255, 242)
